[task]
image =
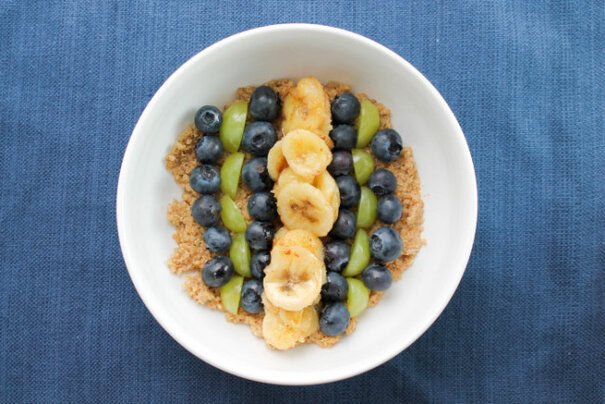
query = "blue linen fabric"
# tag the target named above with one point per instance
(525, 79)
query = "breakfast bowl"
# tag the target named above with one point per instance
(418, 112)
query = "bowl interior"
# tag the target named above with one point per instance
(418, 113)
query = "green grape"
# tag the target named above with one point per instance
(230, 173)
(240, 255)
(358, 297)
(367, 124)
(360, 254)
(366, 212)
(234, 122)
(231, 215)
(363, 165)
(230, 293)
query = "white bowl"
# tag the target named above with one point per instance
(419, 113)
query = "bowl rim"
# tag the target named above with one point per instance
(136, 137)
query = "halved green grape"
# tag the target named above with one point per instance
(230, 293)
(230, 173)
(240, 255)
(363, 165)
(360, 254)
(234, 122)
(366, 212)
(231, 215)
(358, 297)
(367, 123)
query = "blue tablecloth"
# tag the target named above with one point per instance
(525, 79)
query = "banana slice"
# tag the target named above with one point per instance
(279, 234)
(302, 238)
(288, 176)
(277, 334)
(282, 334)
(293, 279)
(292, 319)
(306, 153)
(302, 206)
(276, 161)
(308, 241)
(307, 106)
(327, 185)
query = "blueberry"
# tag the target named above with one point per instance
(208, 119)
(342, 163)
(350, 191)
(208, 149)
(256, 176)
(345, 225)
(218, 271)
(264, 104)
(259, 138)
(389, 209)
(344, 137)
(345, 108)
(386, 244)
(335, 289)
(205, 179)
(258, 262)
(262, 206)
(377, 277)
(206, 210)
(251, 296)
(259, 235)
(386, 145)
(382, 182)
(217, 239)
(334, 319)
(336, 255)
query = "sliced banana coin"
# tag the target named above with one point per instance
(302, 206)
(307, 106)
(306, 153)
(282, 335)
(327, 185)
(276, 161)
(293, 279)
(277, 334)
(288, 176)
(279, 234)
(290, 318)
(302, 238)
